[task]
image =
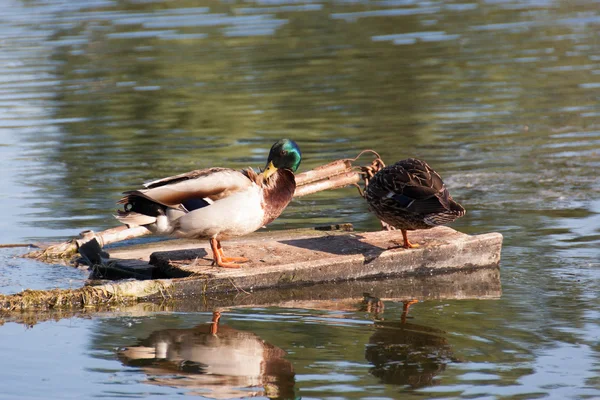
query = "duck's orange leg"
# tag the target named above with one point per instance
(219, 258)
(230, 259)
(214, 324)
(407, 244)
(405, 305)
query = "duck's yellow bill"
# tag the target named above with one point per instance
(269, 170)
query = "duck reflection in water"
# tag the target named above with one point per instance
(214, 361)
(407, 354)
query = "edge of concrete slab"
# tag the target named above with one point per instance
(459, 251)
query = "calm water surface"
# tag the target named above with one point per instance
(501, 97)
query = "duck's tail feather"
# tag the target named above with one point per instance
(131, 218)
(139, 210)
(139, 203)
(452, 211)
(456, 208)
(440, 219)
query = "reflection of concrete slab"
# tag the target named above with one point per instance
(479, 283)
(321, 257)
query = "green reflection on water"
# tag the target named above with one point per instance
(144, 100)
(501, 98)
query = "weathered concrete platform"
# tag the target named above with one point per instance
(287, 266)
(293, 258)
(173, 295)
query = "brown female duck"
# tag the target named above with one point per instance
(410, 195)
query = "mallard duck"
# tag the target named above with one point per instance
(216, 203)
(410, 195)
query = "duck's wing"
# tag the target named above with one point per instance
(209, 184)
(415, 187)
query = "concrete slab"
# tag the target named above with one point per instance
(330, 257)
(289, 266)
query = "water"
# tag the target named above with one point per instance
(500, 97)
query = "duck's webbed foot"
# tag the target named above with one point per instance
(234, 259)
(407, 244)
(220, 259)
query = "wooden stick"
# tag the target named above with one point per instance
(66, 250)
(334, 182)
(323, 172)
(113, 235)
(12, 245)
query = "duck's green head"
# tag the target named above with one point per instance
(284, 154)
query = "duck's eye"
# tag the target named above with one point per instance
(283, 152)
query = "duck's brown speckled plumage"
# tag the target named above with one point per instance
(410, 195)
(278, 193)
